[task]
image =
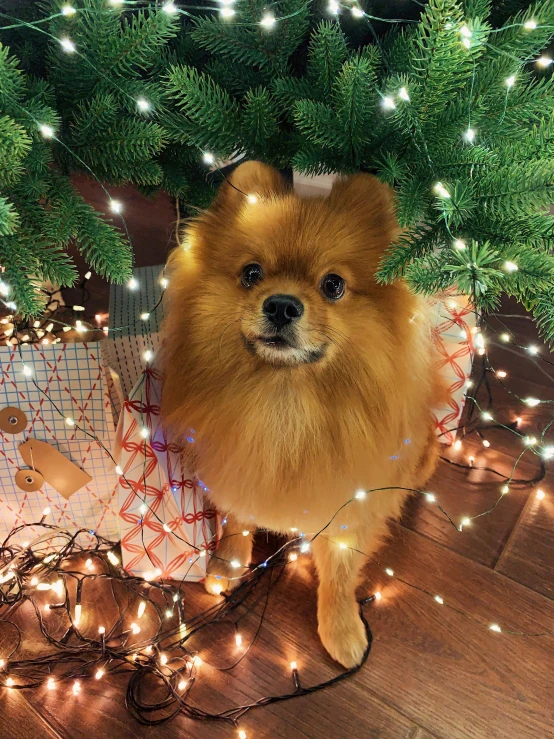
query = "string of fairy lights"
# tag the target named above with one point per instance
(43, 567)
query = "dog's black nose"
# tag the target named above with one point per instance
(282, 309)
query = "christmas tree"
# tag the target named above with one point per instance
(454, 111)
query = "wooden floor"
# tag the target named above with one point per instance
(432, 672)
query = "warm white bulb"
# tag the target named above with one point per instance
(182, 685)
(113, 559)
(293, 666)
(238, 640)
(466, 33)
(377, 595)
(510, 267)
(70, 421)
(135, 628)
(144, 316)
(389, 572)
(441, 190)
(305, 547)
(10, 681)
(143, 104)
(141, 609)
(486, 443)
(530, 25)
(466, 521)
(235, 564)
(144, 433)
(403, 94)
(115, 2)
(27, 371)
(388, 102)
(77, 614)
(252, 199)
(457, 444)
(268, 21)
(47, 511)
(76, 687)
(116, 206)
(206, 156)
(46, 131)
(246, 533)
(164, 282)
(50, 683)
(67, 45)
(530, 441)
(459, 244)
(143, 508)
(501, 373)
(430, 497)
(169, 8)
(532, 402)
(333, 7)
(99, 674)
(217, 589)
(342, 545)
(539, 495)
(132, 284)
(242, 734)
(544, 61)
(510, 81)
(505, 338)
(68, 10)
(548, 452)
(495, 627)
(148, 355)
(533, 350)
(293, 557)
(439, 600)
(469, 135)
(486, 416)
(357, 12)
(227, 12)
(163, 659)
(89, 564)
(361, 494)
(505, 490)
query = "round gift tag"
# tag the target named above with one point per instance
(29, 480)
(12, 420)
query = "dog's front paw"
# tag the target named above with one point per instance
(343, 635)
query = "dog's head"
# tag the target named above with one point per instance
(285, 280)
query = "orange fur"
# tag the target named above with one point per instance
(284, 446)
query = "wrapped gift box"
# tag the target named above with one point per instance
(166, 527)
(130, 336)
(71, 380)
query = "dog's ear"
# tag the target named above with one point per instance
(369, 203)
(253, 179)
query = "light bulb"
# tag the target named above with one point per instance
(76, 687)
(132, 284)
(70, 421)
(486, 416)
(135, 628)
(144, 316)
(544, 61)
(534, 350)
(112, 557)
(466, 521)
(530, 441)
(361, 494)
(293, 556)
(50, 683)
(242, 734)
(530, 25)
(116, 206)
(235, 564)
(505, 490)
(143, 104)
(505, 338)
(439, 600)
(143, 508)
(166, 528)
(67, 45)
(253, 199)
(377, 595)
(163, 659)
(548, 453)
(245, 533)
(141, 609)
(101, 629)
(539, 495)
(457, 444)
(486, 443)
(510, 267)
(459, 244)
(495, 627)
(388, 102)
(27, 371)
(148, 355)
(268, 21)
(430, 497)
(10, 681)
(501, 374)
(466, 33)
(342, 545)
(208, 158)
(469, 135)
(182, 685)
(46, 131)
(169, 8)
(333, 7)
(238, 640)
(293, 666)
(403, 94)
(68, 10)
(227, 12)
(99, 674)
(531, 402)
(305, 547)
(164, 282)
(196, 661)
(441, 190)
(144, 433)
(510, 81)
(357, 12)
(389, 572)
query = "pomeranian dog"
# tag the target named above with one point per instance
(305, 380)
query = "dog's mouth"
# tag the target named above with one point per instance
(281, 350)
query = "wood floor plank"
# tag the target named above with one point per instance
(19, 720)
(529, 555)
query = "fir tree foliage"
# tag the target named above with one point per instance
(451, 111)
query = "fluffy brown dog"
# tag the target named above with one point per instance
(304, 380)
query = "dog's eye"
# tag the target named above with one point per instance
(333, 286)
(251, 274)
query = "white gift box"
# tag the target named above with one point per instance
(70, 383)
